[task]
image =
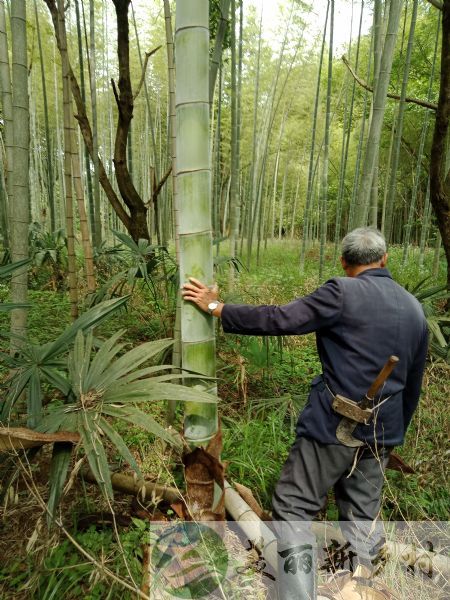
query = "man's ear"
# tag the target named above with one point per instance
(384, 260)
(343, 263)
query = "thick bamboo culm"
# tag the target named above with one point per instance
(193, 172)
(20, 175)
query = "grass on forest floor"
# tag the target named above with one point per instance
(262, 385)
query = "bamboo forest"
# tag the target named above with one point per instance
(177, 177)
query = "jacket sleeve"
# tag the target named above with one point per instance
(411, 393)
(304, 315)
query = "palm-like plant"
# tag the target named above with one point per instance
(49, 249)
(104, 385)
(143, 262)
(5, 272)
(36, 364)
(438, 322)
(98, 382)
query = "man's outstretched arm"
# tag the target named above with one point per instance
(304, 315)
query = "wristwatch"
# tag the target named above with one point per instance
(212, 307)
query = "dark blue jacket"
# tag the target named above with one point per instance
(359, 322)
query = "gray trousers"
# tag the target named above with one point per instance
(311, 469)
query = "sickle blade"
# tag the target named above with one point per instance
(344, 433)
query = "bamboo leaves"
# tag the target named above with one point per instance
(95, 452)
(87, 320)
(100, 387)
(61, 458)
(126, 363)
(36, 364)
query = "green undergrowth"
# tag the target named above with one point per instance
(63, 573)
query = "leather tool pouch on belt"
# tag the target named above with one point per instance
(350, 409)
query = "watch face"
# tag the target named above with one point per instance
(212, 307)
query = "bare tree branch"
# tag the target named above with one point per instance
(116, 95)
(144, 70)
(159, 187)
(85, 128)
(369, 88)
(128, 191)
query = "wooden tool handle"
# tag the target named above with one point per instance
(382, 376)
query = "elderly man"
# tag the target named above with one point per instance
(360, 321)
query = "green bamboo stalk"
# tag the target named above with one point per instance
(234, 173)
(282, 202)
(147, 99)
(326, 153)
(296, 195)
(20, 175)
(61, 216)
(49, 161)
(355, 188)
(239, 98)
(277, 168)
(176, 354)
(87, 160)
(37, 189)
(423, 138)
(72, 149)
(309, 190)
(172, 115)
(271, 110)
(194, 191)
(67, 113)
(424, 230)
(97, 238)
(253, 172)
(7, 113)
(4, 225)
(377, 51)
(218, 46)
(217, 185)
(437, 254)
(262, 230)
(399, 129)
(373, 140)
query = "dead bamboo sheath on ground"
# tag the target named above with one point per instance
(251, 525)
(128, 485)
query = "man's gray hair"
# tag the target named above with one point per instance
(363, 246)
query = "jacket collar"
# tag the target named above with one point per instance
(376, 272)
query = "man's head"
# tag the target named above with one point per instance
(363, 248)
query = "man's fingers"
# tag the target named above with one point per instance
(192, 288)
(198, 284)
